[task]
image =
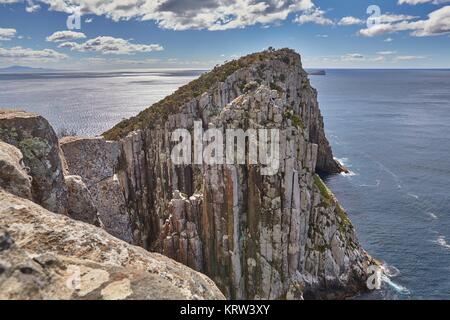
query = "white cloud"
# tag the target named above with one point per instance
(20, 53)
(352, 57)
(187, 14)
(438, 23)
(391, 18)
(7, 33)
(321, 35)
(408, 58)
(110, 45)
(414, 2)
(386, 53)
(31, 7)
(378, 59)
(388, 40)
(314, 15)
(349, 20)
(65, 35)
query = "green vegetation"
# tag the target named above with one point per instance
(296, 120)
(159, 112)
(325, 193)
(327, 200)
(274, 86)
(34, 147)
(342, 217)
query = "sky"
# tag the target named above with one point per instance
(134, 34)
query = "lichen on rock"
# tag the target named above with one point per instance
(37, 141)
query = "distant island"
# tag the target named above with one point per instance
(24, 69)
(316, 72)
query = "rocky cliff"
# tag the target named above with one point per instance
(256, 236)
(277, 236)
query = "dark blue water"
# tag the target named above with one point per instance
(392, 129)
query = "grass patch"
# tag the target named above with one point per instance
(325, 193)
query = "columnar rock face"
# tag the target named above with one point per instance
(49, 256)
(37, 141)
(95, 160)
(180, 236)
(255, 235)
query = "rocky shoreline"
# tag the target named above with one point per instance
(256, 237)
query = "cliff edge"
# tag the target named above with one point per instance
(256, 236)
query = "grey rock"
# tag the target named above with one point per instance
(49, 256)
(81, 206)
(14, 177)
(95, 161)
(37, 141)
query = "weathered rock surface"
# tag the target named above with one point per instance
(256, 236)
(81, 206)
(95, 160)
(37, 141)
(48, 256)
(14, 177)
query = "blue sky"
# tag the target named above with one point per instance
(130, 34)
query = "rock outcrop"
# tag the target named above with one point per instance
(50, 256)
(13, 173)
(95, 161)
(81, 206)
(256, 236)
(37, 141)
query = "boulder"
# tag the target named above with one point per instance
(37, 141)
(81, 206)
(48, 256)
(92, 158)
(95, 160)
(14, 177)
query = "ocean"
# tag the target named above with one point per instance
(391, 128)
(89, 103)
